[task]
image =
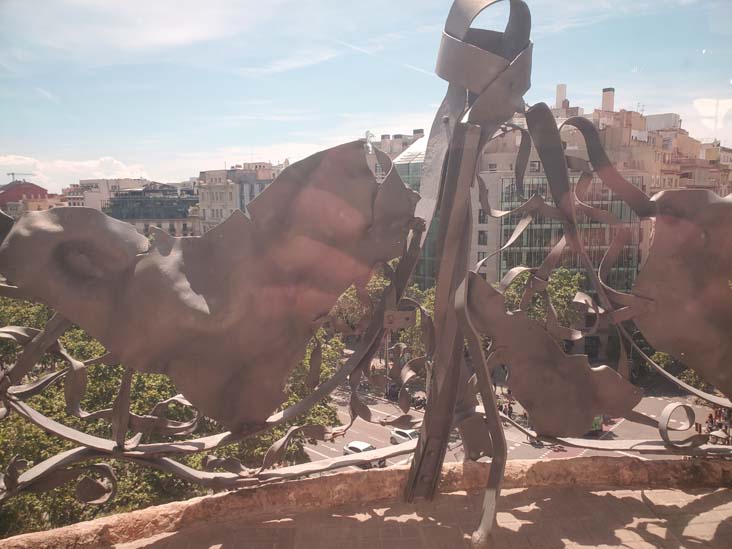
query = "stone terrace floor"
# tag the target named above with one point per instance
(527, 518)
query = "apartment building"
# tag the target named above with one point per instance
(720, 158)
(392, 145)
(223, 191)
(94, 193)
(160, 205)
(20, 196)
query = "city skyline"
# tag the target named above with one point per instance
(168, 89)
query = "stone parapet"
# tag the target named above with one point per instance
(354, 487)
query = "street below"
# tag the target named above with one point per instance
(518, 445)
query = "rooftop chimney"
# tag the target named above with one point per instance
(561, 95)
(608, 99)
(385, 143)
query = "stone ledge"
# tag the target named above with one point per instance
(277, 500)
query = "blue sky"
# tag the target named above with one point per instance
(166, 88)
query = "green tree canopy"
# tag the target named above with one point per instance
(138, 486)
(562, 288)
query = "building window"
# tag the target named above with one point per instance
(482, 255)
(481, 216)
(492, 167)
(535, 166)
(507, 232)
(482, 238)
(171, 229)
(146, 229)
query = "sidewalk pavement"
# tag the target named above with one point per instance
(528, 518)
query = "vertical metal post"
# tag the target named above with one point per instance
(454, 234)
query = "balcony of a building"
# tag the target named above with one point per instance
(579, 502)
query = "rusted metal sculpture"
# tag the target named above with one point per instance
(228, 315)
(561, 392)
(242, 302)
(245, 301)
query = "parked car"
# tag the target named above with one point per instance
(419, 402)
(357, 447)
(403, 435)
(719, 437)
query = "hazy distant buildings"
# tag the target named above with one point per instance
(633, 151)
(171, 209)
(223, 191)
(666, 121)
(562, 108)
(93, 193)
(392, 145)
(653, 153)
(18, 197)
(720, 159)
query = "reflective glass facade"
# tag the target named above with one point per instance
(538, 239)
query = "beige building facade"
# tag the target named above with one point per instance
(220, 192)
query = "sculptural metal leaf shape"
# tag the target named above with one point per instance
(227, 315)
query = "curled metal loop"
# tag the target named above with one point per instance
(693, 441)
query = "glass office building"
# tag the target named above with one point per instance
(540, 237)
(409, 166)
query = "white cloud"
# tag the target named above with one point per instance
(230, 120)
(56, 174)
(346, 127)
(372, 47)
(85, 26)
(46, 94)
(712, 112)
(374, 44)
(552, 16)
(297, 60)
(417, 69)
(59, 173)
(356, 123)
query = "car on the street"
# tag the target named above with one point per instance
(357, 447)
(397, 436)
(719, 437)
